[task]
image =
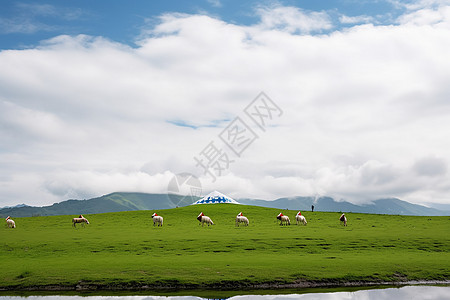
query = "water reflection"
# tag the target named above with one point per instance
(407, 293)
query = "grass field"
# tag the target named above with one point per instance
(124, 248)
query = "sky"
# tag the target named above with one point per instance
(255, 99)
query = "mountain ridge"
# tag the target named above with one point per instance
(391, 206)
(114, 202)
(129, 201)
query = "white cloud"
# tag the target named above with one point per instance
(83, 184)
(29, 18)
(415, 5)
(29, 10)
(356, 19)
(365, 110)
(20, 25)
(293, 19)
(215, 3)
(430, 166)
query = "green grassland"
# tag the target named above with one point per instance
(125, 249)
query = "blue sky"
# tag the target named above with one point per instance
(25, 23)
(104, 96)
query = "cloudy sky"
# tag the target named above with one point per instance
(101, 96)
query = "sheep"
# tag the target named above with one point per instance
(10, 222)
(300, 218)
(204, 219)
(81, 220)
(157, 219)
(342, 218)
(284, 219)
(241, 219)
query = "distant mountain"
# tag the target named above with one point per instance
(116, 202)
(18, 205)
(440, 206)
(390, 206)
(399, 207)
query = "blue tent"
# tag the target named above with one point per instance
(215, 197)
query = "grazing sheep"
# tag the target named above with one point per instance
(300, 218)
(81, 220)
(157, 219)
(10, 223)
(241, 219)
(204, 219)
(284, 219)
(342, 218)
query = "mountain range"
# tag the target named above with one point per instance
(390, 206)
(121, 201)
(114, 202)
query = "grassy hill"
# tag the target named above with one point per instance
(123, 250)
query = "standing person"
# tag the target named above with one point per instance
(312, 208)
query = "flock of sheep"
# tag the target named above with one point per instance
(11, 224)
(158, 220)
(240, 218)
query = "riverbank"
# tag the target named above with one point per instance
(220, 286)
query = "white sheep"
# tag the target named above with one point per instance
(284, 219)
(300, 218)
(10, 223)
(342, 218)
(81, 220)
(204, 219)
(240, 218)
(157, 219)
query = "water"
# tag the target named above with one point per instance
(406, 292)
